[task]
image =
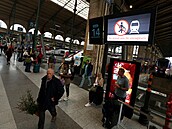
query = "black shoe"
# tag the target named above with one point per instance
(53, 119)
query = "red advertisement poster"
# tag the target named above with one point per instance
(130, 69)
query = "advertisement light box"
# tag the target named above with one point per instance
(132, 70)
(131, 28)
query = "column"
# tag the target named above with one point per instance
(97, 9)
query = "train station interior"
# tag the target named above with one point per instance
(109, 34)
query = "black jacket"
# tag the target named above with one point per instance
(89, 69)
(53, 89)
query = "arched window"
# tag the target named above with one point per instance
(82, 43)
(3, 24)
(18, 27)
(76, 41)
(47, 35)
(59, 37)
(32, 31)
(67, 39)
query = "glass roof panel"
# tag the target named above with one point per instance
(82, 6)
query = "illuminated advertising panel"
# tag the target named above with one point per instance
(132, 71)
(129, 73)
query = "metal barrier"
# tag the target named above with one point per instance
(149, 117)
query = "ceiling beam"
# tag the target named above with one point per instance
(55, 14)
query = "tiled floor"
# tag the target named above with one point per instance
(71, 114)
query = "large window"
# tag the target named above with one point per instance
(82, 6)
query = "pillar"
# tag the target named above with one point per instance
(97, 9)
(141, 54)
(130, 53)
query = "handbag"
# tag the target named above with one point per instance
(93, 88)
(62, 81)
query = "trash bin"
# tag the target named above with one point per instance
(36, 68)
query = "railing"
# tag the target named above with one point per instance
(149, 117)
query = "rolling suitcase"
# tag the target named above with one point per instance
(36, 68)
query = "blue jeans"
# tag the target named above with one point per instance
(83, 79)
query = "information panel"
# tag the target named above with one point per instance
(130, 28)
(96, 30)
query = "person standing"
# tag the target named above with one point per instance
(50, 92)
(9, 55)
(87, 73)
(51, 61)
(122, 86)
(39, 57)
(66, 75)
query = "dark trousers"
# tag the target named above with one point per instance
(8, 59)
(91, 96)
(67, 90)
(27, 67)
(123, 109)
(51, 109)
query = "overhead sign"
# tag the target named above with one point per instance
(96, 31)
(130, 28)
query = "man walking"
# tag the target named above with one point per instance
(50, 92)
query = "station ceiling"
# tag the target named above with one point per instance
(58, 20)
(52, 18)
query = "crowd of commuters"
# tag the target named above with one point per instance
(52, 88)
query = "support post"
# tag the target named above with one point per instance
(73, 21)
(124, 52)
(104, 60)
(36, 27)
(143, 119)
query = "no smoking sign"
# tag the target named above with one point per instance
(121, 27)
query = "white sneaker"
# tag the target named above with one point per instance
(66, 98)
(60, 100)
(88, 105)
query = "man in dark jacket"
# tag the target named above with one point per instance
(50, 92)
(87, 73)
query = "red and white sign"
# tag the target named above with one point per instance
(121, 27)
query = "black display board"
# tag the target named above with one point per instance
(130, 28)
(96, 30)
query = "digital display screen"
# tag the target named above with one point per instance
(131, 28)
(129, 73)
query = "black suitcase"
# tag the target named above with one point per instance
(98, 99)
(110, 111)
